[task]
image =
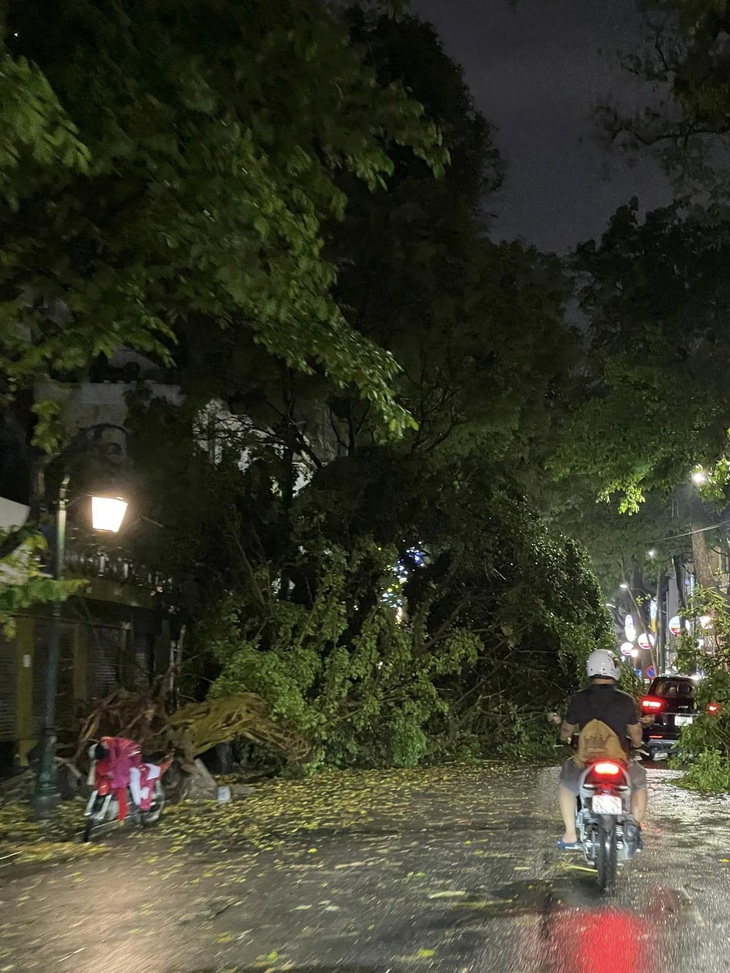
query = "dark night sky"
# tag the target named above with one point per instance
(535, 72)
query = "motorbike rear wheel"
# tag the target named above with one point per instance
(158, 804)
(606, 857)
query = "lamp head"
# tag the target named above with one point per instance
(107, 513)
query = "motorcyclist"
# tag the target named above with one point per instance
(601, 701)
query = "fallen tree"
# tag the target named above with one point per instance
(198, 727)
(191, 730)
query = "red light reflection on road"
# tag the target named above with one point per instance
(601, 941)
(609, 940)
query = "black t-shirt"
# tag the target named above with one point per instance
(605, 703)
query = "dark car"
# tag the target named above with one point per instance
(671, 701)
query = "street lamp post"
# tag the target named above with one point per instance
(45, 797)
(107, 514)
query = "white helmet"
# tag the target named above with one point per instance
(602, 663)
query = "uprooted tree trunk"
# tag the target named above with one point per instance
(191, 730)
(140, 716)
(199, 726)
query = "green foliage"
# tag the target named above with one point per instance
(409, 603)
(499, 619)
(705, 743)
(361, 686)
(630, 683)
(211, 141)
(713, 656)
(500, 610)
(618, 544)
(33, 125)
(654, 403)
(710, 774)
(23, 583)
(528, 739)
(478, 328)
(656, 400)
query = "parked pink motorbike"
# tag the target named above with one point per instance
(124, 785)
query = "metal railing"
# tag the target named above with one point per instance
(87, 560)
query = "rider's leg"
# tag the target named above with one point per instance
(570, 774)
(639, 795)
(566, 799)
(639, 800)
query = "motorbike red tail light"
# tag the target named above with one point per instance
(713, 708)
(652, 704)
(606, 768)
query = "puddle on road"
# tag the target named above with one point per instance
(290, 968)
(531, 897)
(516, 899)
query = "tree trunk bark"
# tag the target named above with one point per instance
(661, 620)
(701, 559)
(680, 581)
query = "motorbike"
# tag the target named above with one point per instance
(124, 785)
(604, 824)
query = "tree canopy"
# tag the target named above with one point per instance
(651, 405)
(656, 401)
(286, 202)
(177, 162)
(408, 600)
(682, 62)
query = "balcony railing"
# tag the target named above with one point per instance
(115, 566)
(89, 560)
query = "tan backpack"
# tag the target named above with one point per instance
(597, 740)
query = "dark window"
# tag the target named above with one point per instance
(673, 689)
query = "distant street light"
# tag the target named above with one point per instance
(699, 476)
(645, 636)
(651, 554)
(106, 514)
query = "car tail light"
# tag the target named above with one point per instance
(713, 708)
(652, 704)
(606, 768)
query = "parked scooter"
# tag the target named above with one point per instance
(124, 785)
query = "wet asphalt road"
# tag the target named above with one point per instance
(457, 873)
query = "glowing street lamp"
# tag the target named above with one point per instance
(107, 513)
(699, 476)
